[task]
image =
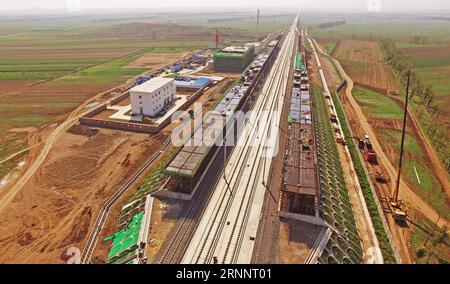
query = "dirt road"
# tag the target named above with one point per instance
(406, 192)
(37, 161)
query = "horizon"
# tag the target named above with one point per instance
(83, 6)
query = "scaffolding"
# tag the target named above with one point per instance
(234, 61)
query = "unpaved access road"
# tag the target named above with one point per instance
(48, 144)
(407, 194)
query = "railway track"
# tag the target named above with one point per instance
(220, 234)
(174, 248)
(266, 243)
(101, 218)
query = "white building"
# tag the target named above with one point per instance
(257, 46)
(152, 96)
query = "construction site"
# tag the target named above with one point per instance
(240, 148)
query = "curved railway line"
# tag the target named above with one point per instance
(101, 217)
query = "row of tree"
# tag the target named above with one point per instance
(331, 24)
(421, 90)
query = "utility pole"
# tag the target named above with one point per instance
(257, 23)
(405, 115)
(217, 39)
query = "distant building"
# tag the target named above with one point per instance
(256, 45)
(176, 68)
(152, 96)
(233, 58)
(184, 83)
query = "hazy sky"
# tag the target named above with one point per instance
(386, 5)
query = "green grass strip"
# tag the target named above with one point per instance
(385, 245)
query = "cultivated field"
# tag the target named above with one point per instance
(363, 62)
(48, 70)
(425, 42)
(432, 65)
(385, 116)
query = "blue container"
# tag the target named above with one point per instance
(142, 79)
(176, 68)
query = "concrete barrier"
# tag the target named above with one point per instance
(120, 125)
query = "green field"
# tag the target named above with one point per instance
(425, 244)
(378, 105)
(382, 109)
(403, 30)
(73, 60)
(330, 46)
(431, 64)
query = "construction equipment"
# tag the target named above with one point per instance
(191, 113)
(217, 39)
(369, 153)
(341, 141)
(396, 205)
(380, 177)
(392, 93)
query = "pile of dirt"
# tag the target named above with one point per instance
(83, 130)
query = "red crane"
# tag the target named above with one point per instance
(217, 39)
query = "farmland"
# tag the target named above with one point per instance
(405, 28)
(432, 65)
(425, 42)
(385, 115)
(47, 71)
(427, 48)
(363, 62)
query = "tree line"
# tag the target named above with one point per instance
(424, 94)
(331, 24)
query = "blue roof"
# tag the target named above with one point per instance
(183, 84)
(201, 82)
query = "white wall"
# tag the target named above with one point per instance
(152, 102)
